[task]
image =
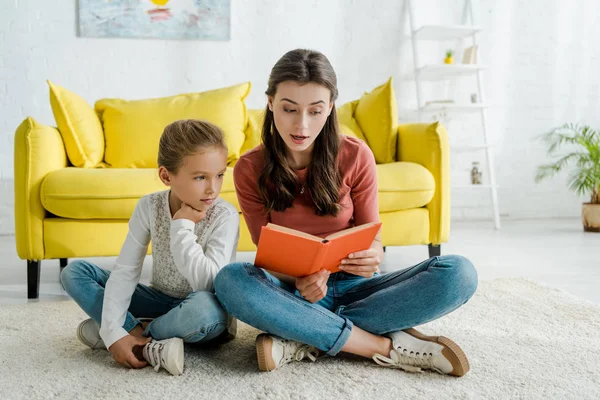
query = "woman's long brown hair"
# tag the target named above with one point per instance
(277, 182)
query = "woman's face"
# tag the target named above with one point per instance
(300, 112)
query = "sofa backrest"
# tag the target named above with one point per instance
(132, 128)
(125, 133)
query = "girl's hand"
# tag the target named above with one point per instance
(313, 287)
(362, 263)
(187, 212)
(122, 351)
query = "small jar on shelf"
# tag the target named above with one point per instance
(476, 175)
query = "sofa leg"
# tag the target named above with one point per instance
(434, 250)
(33, 279)
(63, 263)
(384, 248)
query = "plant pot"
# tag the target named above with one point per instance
(448, 60)
(590, 215)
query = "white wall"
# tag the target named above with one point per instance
(543, 60)
(542, 57)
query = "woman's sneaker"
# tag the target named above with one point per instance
(167, 354)
(273, 352)
(88, 333)
(413, 352)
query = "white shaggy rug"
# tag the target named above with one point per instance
(523, 341)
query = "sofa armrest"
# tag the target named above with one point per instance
(427, 145)
(39, 150)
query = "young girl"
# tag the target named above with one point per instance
(194, 234)
(307, 176)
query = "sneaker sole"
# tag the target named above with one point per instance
(451, 351)
(264, 345)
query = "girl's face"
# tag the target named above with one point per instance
(300, 112)
(199, 179)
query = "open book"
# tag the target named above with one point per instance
(298, 254)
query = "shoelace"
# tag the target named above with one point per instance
(153, 354)
(298, 353)
(409, 362)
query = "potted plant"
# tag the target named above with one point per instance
(448, 59)
(583, 161)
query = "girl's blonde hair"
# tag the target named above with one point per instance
(185, 137)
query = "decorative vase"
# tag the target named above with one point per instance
(590, 216)
(476, 174)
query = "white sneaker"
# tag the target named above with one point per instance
(88, 333)
(414, 352)
(273, 352)
(166, 353)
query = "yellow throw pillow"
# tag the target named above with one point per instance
(79, 127)
(377, 116)
(256, 119)
(132, 128)
(348, 124)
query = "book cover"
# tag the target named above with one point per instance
(298, 254)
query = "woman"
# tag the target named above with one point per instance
(307, 176)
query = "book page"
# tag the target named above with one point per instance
(351, 230)
(294, 232)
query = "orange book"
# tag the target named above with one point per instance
(298, 254)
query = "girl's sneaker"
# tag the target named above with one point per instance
(273, 352)
(167, 354)
(88, 333)
(413, 351)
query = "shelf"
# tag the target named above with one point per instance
(470, 147)
(444, 71)
(473, 186)
(433, 107)
(445, 32)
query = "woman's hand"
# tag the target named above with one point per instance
(362, 263)
(313, 287)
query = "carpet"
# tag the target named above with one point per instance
(523, 340)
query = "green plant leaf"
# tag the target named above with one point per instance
(583, 163)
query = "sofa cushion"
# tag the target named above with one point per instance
(79, 127)
(256, 119)
(112, 193)
(132, 128)
(348, 124)
(377, 116)
(108, 193)
(403, 186)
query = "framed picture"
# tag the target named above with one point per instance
(159, 19)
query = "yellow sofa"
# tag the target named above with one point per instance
(64, 211)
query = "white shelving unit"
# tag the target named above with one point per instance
(470, 147)
(445, 32)
(451, 107)
(439, 72)
(449, 73)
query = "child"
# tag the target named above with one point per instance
(194, 233)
